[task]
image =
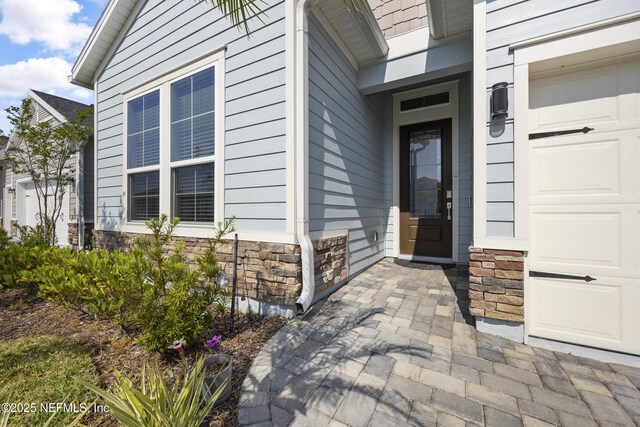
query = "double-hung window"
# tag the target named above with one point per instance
(143, 156)
(171, 131)
(192, 146)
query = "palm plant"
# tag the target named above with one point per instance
(240, 12)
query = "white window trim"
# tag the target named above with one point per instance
(165, 166)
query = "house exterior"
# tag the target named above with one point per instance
(20, 204)
(566, 205)
(337, 138)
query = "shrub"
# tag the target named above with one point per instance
(99, 282)
(17, 260)
(154, 404)
(176, 301)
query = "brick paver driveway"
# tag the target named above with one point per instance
(392, 348)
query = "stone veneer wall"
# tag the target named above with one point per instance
(266, 271)
(330, 262)
(496, 284)
(73, 234)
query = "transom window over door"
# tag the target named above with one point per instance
(173, 124)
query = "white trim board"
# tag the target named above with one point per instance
(479, 121)
(439, 112)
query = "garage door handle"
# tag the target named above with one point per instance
(559, 276)
(558, 133)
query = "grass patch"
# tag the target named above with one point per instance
(44, 369)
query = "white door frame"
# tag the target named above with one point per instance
(428, 114)
(592, 42)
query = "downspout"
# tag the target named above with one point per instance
(302, 155)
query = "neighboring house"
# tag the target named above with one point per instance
(20, 205)
(338, 138)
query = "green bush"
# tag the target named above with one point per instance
(17, 259)
(99, 282)
(178, 302)
(153, 291)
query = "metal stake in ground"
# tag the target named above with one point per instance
(234, 286)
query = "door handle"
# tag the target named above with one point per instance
(544, 274)
(449, 211)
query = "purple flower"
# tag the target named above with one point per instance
(213, 344)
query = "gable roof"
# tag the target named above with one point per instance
(61, 108)
(359, 31)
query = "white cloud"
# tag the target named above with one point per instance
(43, 74)
(47, 21)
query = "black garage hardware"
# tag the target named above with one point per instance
(558, 133)
(559, 276)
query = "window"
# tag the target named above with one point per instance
(172, 126)
(425, 101)
(193, 188)
(143, 151)
(144, 189)
(192, 116)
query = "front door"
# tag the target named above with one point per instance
(426, 199)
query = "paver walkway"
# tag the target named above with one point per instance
(392, 348)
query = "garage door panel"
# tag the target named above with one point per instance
(566, 238)
(587, 313)
(576, 167)
(575, 100)
(579, 314)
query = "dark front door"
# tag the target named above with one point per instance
(426, 202)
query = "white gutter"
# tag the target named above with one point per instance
(302, 155)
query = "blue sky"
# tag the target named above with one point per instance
(39, 42)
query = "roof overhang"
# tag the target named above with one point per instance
(111, 22)
(358, 29)
(449, 17)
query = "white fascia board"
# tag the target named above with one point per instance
(81, 66)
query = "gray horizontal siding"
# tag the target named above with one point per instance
(346, 170)
(88, 177)
(166, 34)
(508, 22)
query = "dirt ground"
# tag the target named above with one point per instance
(22, 314)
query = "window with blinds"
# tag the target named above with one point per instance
(170, 136)
(193, 193)
(143, 130)
(144, 195)
(192, 142)
(192, 116)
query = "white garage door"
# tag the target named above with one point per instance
(31, 213)
(585, 207)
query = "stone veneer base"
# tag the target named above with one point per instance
(513, 331)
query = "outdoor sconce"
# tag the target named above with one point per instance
(11, 190)
(499, 101)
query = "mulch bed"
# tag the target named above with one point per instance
(23, 314)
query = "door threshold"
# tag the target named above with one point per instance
(434, 260)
